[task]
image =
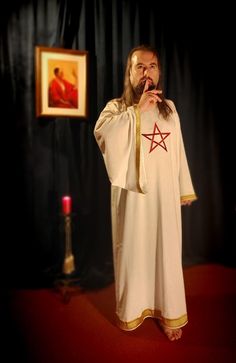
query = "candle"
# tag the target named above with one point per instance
(66, 205)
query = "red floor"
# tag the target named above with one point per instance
(44, 329)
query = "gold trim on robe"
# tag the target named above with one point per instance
(149, 313)
(137, 159)
(190, 197)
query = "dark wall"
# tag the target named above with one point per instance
(50, 157)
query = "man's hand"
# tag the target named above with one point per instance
(186, 202)
(149, 99)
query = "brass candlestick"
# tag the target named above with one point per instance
(69, 263)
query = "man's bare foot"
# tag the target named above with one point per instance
(172, 334)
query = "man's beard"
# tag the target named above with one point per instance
(138, 90)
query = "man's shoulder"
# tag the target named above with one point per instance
(116, 104)
(171, 104)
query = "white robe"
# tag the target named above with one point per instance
(147, 186)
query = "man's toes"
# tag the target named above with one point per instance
(178, 333)
(172, 334)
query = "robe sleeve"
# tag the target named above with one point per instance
(186, 186)
(117, 132)
(187, 192)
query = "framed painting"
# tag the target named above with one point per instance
(61, 82)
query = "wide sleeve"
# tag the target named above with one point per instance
(118, 137)
(186, 189)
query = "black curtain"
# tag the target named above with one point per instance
(46, 158)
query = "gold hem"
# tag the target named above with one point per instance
(188, 197)
(148, 313)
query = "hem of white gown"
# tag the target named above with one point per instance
(149, 313)
(191, 197)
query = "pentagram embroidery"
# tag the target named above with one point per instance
(156, 132)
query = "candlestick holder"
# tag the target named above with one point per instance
(69, 261)
(68, 284)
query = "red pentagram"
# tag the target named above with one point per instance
(156, 143)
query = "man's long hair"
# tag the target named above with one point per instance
(128, 95)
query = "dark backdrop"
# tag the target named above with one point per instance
(44, 159)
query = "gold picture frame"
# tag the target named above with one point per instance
(61, 82)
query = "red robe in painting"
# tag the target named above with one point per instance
(62, 94)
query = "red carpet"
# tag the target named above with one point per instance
(44, 329)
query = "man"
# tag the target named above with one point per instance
(140, 138)
(62, 93)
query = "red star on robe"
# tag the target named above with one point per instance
(154, 143)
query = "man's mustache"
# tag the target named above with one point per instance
(144, 79)
(140, 87)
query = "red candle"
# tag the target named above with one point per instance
(66, 205)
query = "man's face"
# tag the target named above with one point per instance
(61, 74)
(144, 67)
